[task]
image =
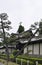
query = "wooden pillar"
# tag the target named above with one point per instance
(27, 49)
(39, 48)
(33, 48)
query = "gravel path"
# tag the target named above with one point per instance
(1, 64)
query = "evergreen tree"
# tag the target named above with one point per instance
(5, 24)
(40, 27)
(21, 28)
(37, 25)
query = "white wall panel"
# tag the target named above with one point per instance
(30, 49)
(36, 49)
(40, 48)
(25, 50)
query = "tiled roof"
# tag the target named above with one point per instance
(36, 38)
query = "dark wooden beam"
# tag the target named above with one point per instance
(32, 48)
(39, 48)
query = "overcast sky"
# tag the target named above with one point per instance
(25, 11)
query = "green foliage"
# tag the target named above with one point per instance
(31, 59)
(24, 62)
(9, 62)
(34, 26)
(27, 34)
(4, 56)
(11, 56)
(20, 29)
(15, 52)
(37, 25)
(40, 28)
(4, 25)
(1, 43)
(12, 39)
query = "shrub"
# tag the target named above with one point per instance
(15, 52)
(24, 62)
(3, 62)
(31, 59)
(0, 60)
(11, 56)
(18, 61)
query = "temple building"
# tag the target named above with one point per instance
(33, 48)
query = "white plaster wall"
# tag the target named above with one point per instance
(2, 50)
(36, 49)
(40, 48)
(30, 48)
(25, 50)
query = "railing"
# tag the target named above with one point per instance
(27, 63)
